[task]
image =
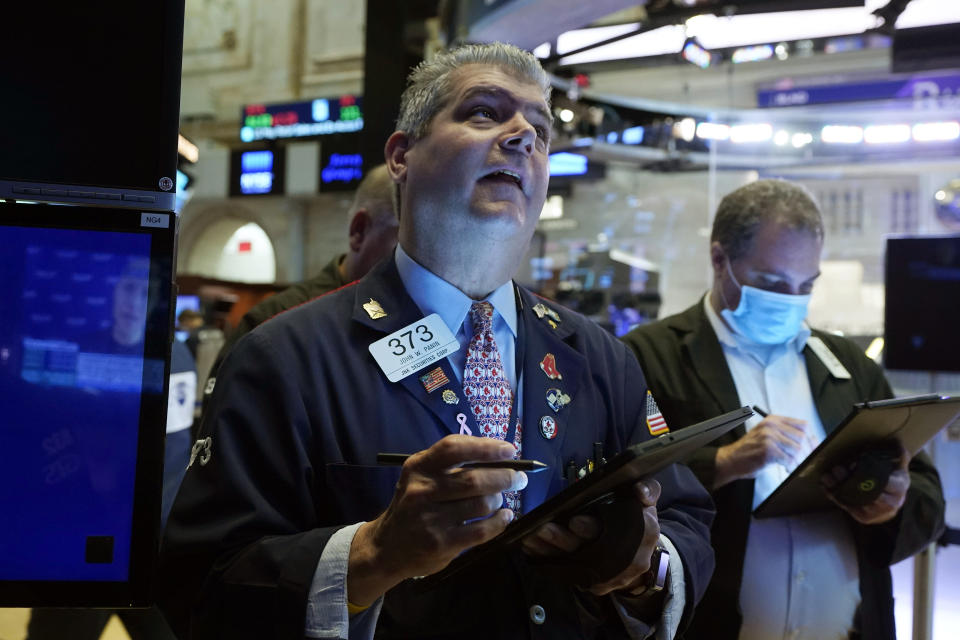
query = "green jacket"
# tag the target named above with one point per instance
(688, 375)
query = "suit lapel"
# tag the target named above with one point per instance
(384, 286)
(705, 357)
(540, 339)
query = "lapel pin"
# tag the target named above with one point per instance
(655, 421)
(543, 310)
(462, 421)
(374, 310)
(450, 397)
(549, 366)
(434, 380)
(548, 427)
(557, 399)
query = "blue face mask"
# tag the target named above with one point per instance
(766, 317)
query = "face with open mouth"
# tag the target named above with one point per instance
(483, 166)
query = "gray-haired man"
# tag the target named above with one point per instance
(290, 528)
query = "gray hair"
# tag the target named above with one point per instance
(741, 212)
(429, 84)
(375, 193)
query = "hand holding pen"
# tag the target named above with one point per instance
(434, 514)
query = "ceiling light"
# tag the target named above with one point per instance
(685, 129)
(752, 54)
(841, 134)
(713, 131)
(693, 53)
(801, 139)
(781, 137)
(566, 115)
(741, 133)
(934, 131)
(886, 133)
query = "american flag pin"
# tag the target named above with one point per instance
(655, 422)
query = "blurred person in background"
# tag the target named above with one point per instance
(371, 234)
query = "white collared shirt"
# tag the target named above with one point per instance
(800, 574)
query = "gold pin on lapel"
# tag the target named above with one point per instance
(450, 397)
(374, 310)
(545, 312)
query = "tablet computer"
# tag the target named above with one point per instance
(913, 421)
(636, 462)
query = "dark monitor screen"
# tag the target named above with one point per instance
(922, 304)
(91, 101)
(84, 351)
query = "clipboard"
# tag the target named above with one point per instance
(912, 420)
(634, 463)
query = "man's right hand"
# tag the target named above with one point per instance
(776, 439)
(437, 511)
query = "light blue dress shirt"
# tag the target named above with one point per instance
(800, 575)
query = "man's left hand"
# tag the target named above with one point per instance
(553, 539)
(887, 504)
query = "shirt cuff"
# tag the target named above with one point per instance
(673, 603)
(327, 615)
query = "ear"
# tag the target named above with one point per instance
(360, 225)
(718, 259)
(395, 153)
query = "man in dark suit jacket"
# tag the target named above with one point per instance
(817, 576)
(286, 527)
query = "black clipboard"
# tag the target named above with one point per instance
(636, 462)
(912, 420)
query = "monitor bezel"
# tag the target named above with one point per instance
(167, 80)
(137, 589)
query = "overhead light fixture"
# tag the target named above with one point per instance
(781, 137)
(713, 131)
(752, 54)
(801, 139)
(744, 133)
(841, 134)
(566, 115)
(936, 131)
(886, 133)
(693, 53)
(685, 129)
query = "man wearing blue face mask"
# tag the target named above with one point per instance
(817, 576)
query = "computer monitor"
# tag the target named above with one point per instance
(91, 102)
(922, 304)
(85, 336)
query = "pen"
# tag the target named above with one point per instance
(760, 412)
(530, 466)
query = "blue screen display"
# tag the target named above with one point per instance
(564, 163)
(72, 371)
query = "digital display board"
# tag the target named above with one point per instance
(341, 163)
(319, 117)
(257, 172)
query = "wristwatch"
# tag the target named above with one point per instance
(655, 579)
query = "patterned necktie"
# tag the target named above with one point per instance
(486, 386)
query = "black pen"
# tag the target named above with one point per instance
(760, 412)
(530, 466)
